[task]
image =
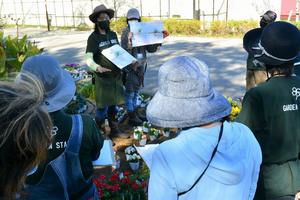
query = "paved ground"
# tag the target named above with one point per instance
(225, 57)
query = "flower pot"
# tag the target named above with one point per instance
(166, 133)
(143, 142)
(134, 165)
(146, 130)
(117, 166)
(136, 136)
(152, 137)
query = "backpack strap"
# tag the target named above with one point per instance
(75, 139)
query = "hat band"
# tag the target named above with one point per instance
(264, 52)
(297, 63)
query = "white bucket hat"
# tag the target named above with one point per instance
(185, 97)
(58, 83)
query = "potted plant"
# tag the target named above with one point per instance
(143, 140)
(134, 161)
(122, 186)
(132, 157)
(146, 127)
(118, 162)
(235, 108)
(137, 132)
(166, 132)
(153, 134)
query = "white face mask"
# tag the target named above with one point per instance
(132, 21)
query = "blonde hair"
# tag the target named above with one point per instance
(25, 131)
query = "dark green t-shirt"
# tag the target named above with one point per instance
(91, 144)
(97, 43)
(272, 111)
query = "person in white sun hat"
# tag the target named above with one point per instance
(211, 158)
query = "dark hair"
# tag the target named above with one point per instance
(286, 69)
(96, 29)
(25, 132)
(267, 18)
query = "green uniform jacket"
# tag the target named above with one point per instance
(108, 85)
(272, 111)
(92, 142)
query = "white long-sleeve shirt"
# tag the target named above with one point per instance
(232, 174)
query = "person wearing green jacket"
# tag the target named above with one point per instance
(108, 77)
(272, 111)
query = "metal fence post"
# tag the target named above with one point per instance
(73, 13)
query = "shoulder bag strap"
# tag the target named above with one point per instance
(212, 156)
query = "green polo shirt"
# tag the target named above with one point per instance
(272, 111)
(91, 144)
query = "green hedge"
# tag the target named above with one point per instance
(196, 27)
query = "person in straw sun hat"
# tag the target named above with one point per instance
(210, 152)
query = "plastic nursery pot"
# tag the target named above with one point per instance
(134, 165)
(143, 142)
(152, 137)
(166, 133)
(137, 135)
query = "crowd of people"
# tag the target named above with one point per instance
(47, 154)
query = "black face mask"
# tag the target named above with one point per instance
(104, 25)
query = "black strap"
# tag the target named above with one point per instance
(212, 156)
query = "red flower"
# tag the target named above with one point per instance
(135, 186)
(126, 173)
(114, 178)
(144, 184)
(115, 188)
(125, 180)
(102, 177)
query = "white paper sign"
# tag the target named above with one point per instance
(106, 156)
(146, 153)
(119, 56)
(145, 33)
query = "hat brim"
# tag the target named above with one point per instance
(250, 44)
(164, 111)
(251, 39)
(64, 94)
(93, 16)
